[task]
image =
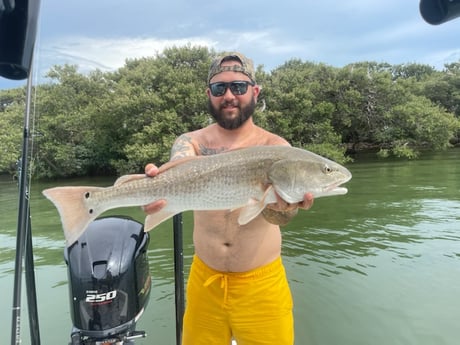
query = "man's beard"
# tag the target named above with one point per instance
(244, 114)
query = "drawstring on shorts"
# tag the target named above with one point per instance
(223, 283)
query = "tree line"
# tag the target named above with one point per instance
(106, 123)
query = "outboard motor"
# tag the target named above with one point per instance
(109, 281)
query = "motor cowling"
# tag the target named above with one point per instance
(109, 277)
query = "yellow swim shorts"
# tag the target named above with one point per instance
(253, 307)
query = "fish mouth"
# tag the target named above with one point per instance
(337, 191)
(337, 188)
(334, 189)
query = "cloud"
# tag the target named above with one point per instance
(105, 54)
(109, 54)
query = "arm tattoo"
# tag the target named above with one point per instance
(181, 147)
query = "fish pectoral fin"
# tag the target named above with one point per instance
(128, 178)
(250, 211)
(254, 207)
(154, 219)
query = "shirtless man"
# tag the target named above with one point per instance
(237, 285)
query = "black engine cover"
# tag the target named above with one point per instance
(109, 277)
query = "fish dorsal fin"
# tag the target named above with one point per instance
(133, 177)
(172, 164)
(128, 178)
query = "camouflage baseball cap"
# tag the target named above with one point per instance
(247, 67)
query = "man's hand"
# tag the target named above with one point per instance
(152, 170)
(283, 206)
(307, 201)
(281, 213)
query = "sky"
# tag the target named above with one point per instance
(102, 34)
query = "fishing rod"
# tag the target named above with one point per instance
(24, 242)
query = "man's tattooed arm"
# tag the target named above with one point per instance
(182, 147)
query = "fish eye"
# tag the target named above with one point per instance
(327, 169)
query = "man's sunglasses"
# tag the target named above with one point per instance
(236, 87)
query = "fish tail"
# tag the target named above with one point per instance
(75, 215)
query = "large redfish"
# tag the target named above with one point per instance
(244, 179)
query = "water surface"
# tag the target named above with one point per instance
(380, 265)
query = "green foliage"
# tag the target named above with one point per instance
(163, 97)
(116, 122)
(403, 151)
(417, 123)
(11, 128)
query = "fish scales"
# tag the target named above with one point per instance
(193, 186)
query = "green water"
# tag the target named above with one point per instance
(380, 265)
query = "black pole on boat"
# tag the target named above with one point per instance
(178, 275)
(18, 27)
